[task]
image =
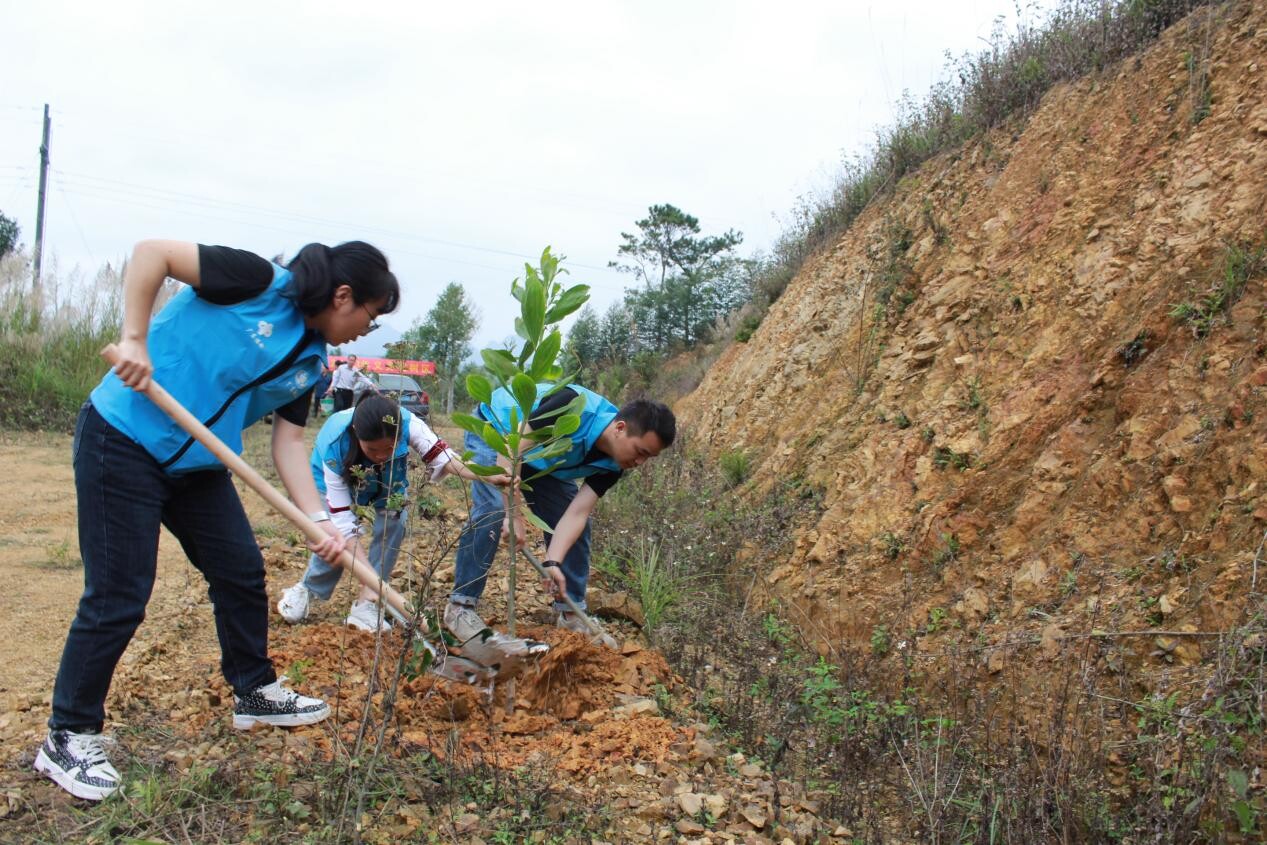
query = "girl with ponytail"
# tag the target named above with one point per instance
(244, 338)
(360, 459)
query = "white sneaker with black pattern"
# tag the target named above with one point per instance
(275, 704)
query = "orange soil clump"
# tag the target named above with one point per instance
(563, 714)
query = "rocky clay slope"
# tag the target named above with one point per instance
(1033, 448)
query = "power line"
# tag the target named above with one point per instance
(91, 192)
(74, 218)
(112, 189)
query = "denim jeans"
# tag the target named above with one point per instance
(548, 499)
(123, 497)
(389, 531)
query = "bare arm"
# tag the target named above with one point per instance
(151, 263)
(566, 533)
(290, 456)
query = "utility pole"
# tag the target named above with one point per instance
(39, 213)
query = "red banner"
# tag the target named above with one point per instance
(389, 365)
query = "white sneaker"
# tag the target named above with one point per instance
(294, 603)
(462, 621)
(365, 616)
(274, 704)
(78, 764)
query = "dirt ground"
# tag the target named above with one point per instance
(170, 670)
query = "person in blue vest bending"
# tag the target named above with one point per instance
(361, 457)
(608, 442)
(245, 337)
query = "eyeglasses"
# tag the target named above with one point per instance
(373, 326)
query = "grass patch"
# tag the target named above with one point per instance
(52, 344)
(1239, 263)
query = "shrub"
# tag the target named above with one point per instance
(735, 467)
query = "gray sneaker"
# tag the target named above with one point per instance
(462, 621)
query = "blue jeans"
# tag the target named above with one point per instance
(389, 532)
(548, 499)
(123, 497)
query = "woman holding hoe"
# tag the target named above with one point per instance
(361, 458)
(245, 338)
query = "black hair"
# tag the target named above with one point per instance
(374, 418)
(643, 415)
(319, 269)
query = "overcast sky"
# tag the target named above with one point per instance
(460, 140)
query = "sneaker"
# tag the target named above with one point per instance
(294, 603)
(78, 764)
(462, 621)
(364, 616)
(274, 704)
(572, 622)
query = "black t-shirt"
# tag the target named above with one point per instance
(227, 276)
(550, 409)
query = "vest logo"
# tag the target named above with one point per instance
(301, 378)
(265, 329)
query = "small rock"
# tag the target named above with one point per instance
(704, 750)
(754, 816)
(637, 707)
(688, 827)
(690, 803)
(466, 822)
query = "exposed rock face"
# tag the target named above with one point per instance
(1110, 459)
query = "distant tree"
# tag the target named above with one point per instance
(584, 345)
(617, 334)
(444, 337)
(9, 233)
(688, 279)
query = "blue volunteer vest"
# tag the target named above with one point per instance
(597, 415)
(331, 450)
(229, 365)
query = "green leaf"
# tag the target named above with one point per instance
(566, 424)
(493, 438)
(466, 422)
(512, 443)
(1239, 782)
(520, 328)
(523, 482)
(525, 392)
(525, 353)
(556, 449)
(534, 308)
(576, 406)
(549, 266)
(500, 363)
(572, 299)
(479, 388)
(546, 353)
(1244, 815)
(533, 519)
(480, 469)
